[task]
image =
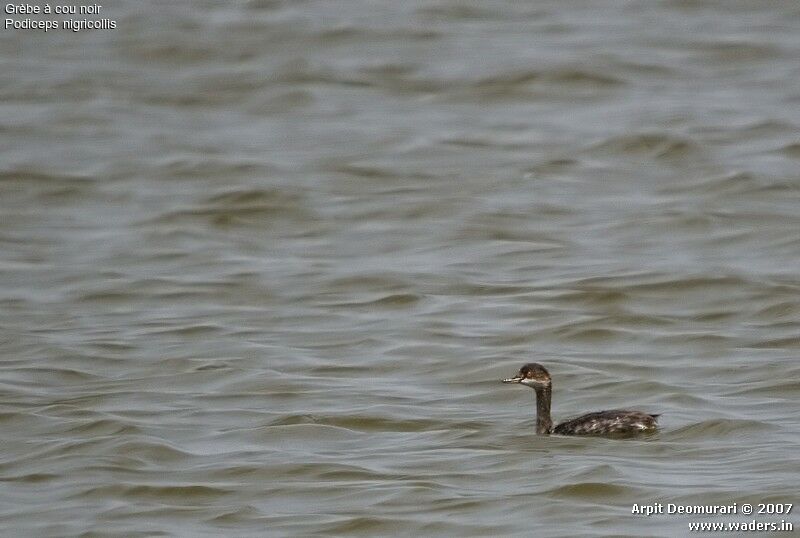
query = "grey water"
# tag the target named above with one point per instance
(263, 264)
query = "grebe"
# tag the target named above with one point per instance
(617, 422)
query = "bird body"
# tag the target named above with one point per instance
(610, 422)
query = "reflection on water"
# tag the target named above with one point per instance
(263, 265)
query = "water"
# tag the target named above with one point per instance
(264, 263)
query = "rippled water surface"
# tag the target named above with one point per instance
(263, 264)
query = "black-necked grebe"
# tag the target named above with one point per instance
(611, 422)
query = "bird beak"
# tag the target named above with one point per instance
(517, 379)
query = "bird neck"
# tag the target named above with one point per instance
(544, 423)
